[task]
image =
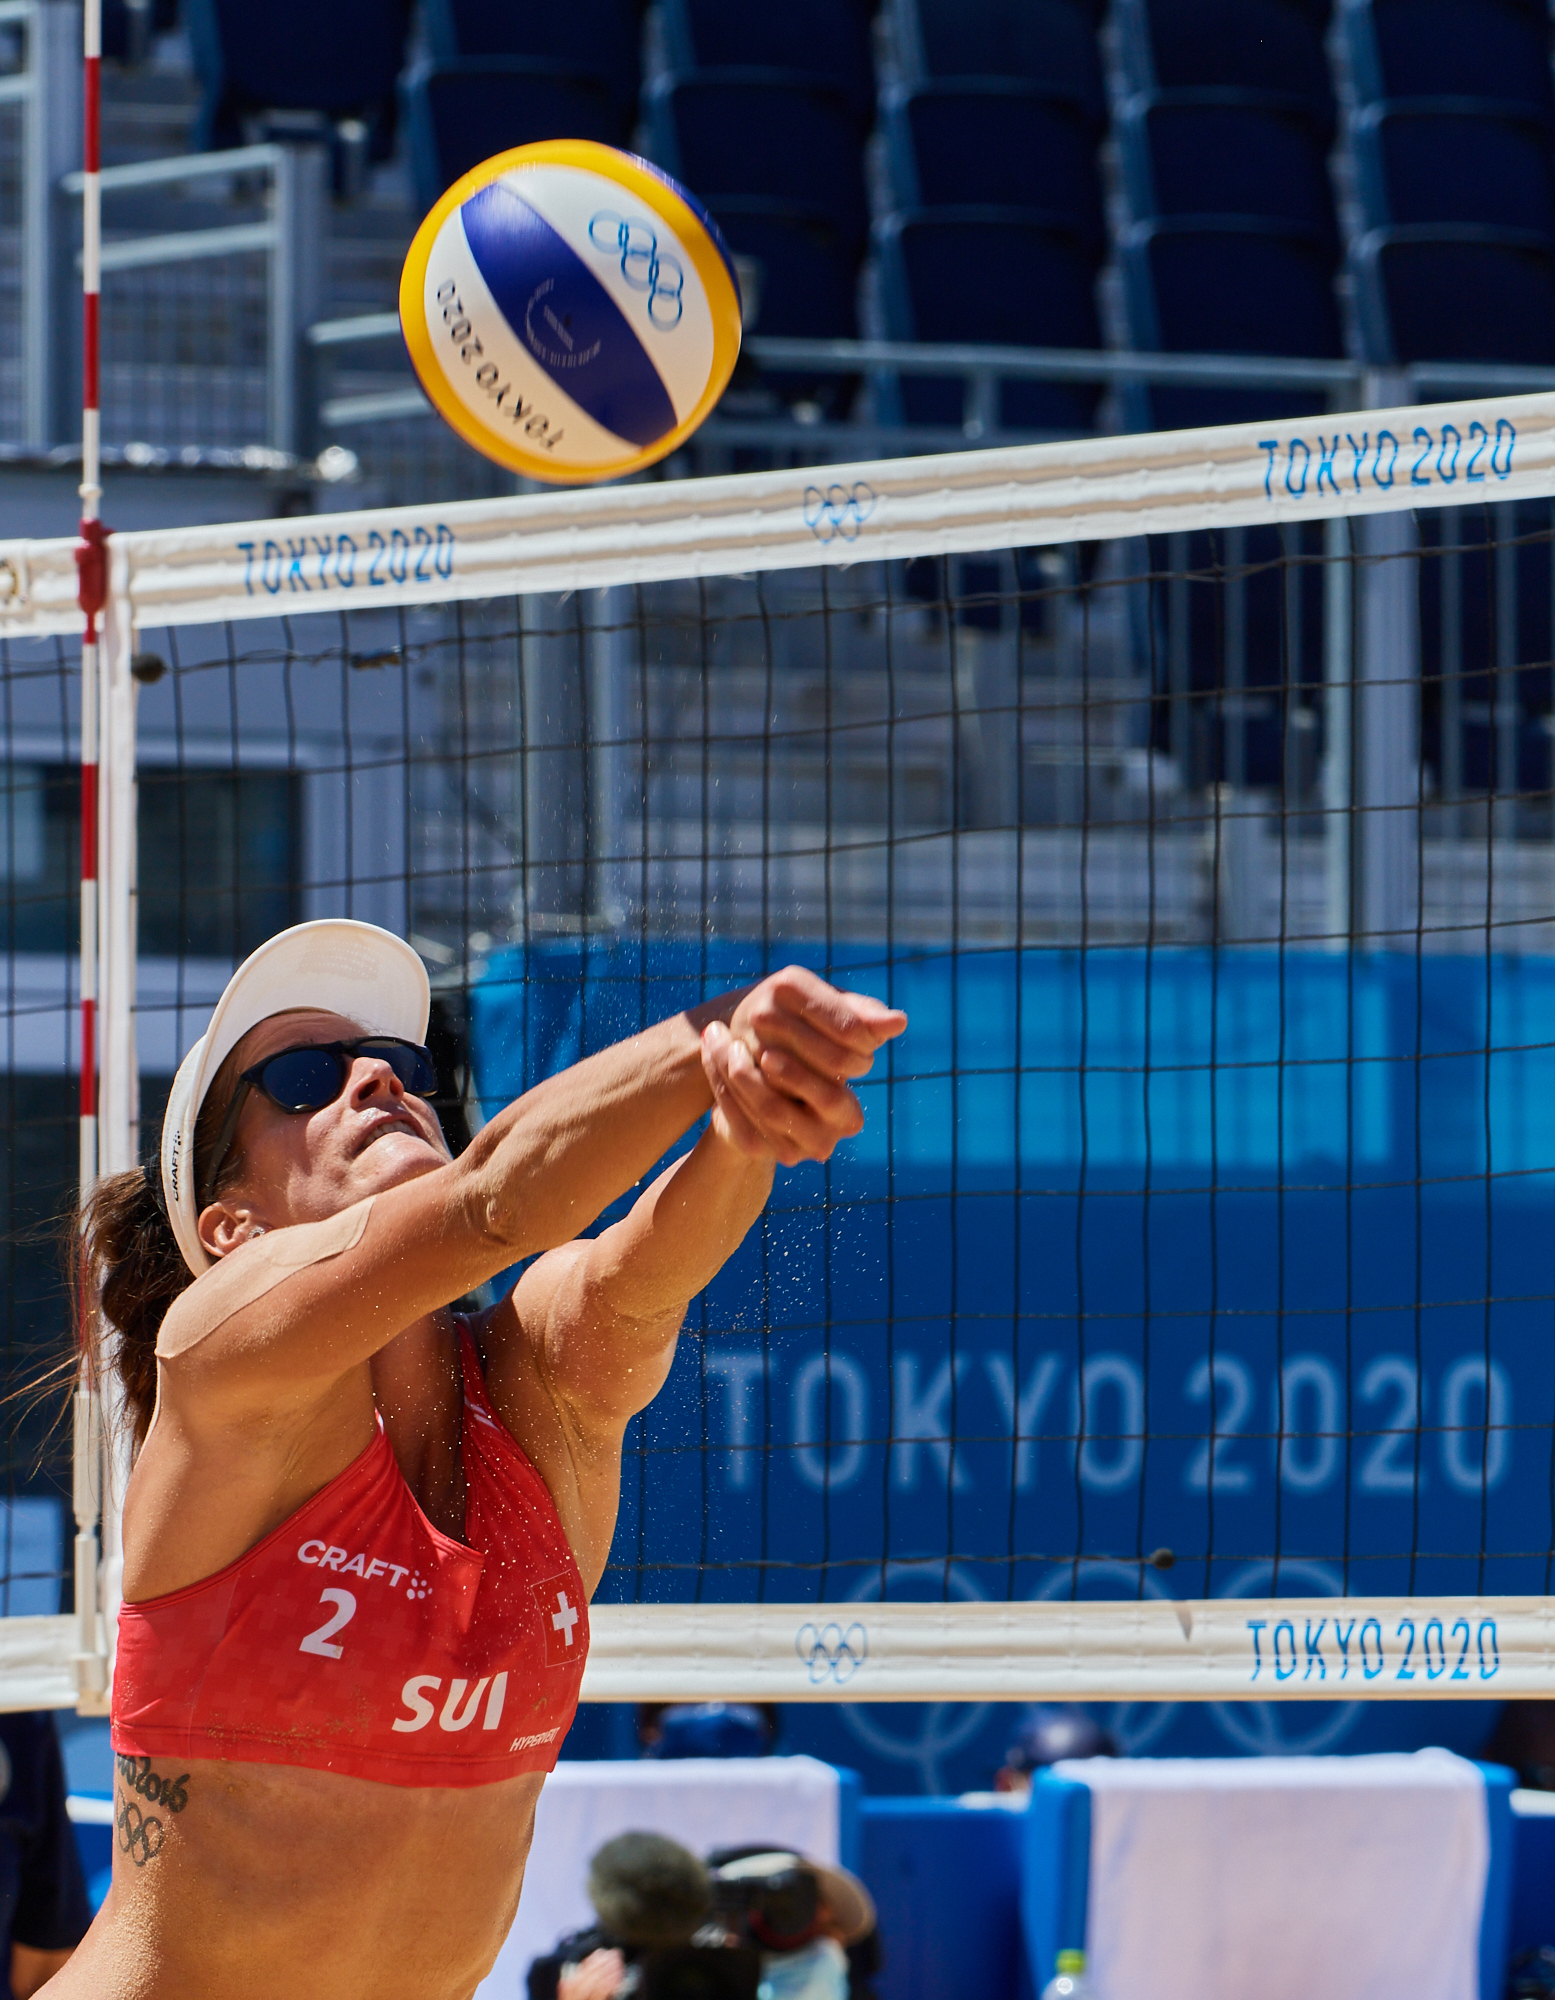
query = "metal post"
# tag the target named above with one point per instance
(298, 198)
(616, 778)
(51, 148)
(1506, 708)
(1386, 786)
(557, 832)
(1338, 694)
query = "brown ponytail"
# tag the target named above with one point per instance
(134, 1269)
(131, 1265)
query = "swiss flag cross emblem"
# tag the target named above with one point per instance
(563, 1619)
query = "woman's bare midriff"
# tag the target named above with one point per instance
(280, 1881)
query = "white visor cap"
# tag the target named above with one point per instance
(336, 965)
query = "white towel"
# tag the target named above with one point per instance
(703, 1802)
(1285, 1878)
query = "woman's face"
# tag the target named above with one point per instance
(305, 1165)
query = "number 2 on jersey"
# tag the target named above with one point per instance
(343, 1613)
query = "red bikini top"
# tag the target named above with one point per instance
(357, 1638)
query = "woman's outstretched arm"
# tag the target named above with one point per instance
(289, 1314)
(588, 1336)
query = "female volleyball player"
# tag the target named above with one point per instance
(362, 1531)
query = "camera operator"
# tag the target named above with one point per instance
(814, 1925)
(653, 1940)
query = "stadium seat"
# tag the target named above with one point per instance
(1454, 160)
(1196, 153)
(1451, 48)
(1008, 144)
(1272, 47)
(1426, 292)
(763, 132)
(246, 60)
(1224, 286)
(827, 40)
(1047, 42)
(805, 287)
(1003, 277)
(599, 38)
(125, 38)
(458, 114)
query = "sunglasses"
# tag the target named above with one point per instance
(308, 1078)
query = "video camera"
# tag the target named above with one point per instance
(775, 1907)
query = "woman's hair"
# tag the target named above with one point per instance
(129, 1266)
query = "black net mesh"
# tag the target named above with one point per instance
(1204, 1208)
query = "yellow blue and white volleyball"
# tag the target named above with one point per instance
(572, 312)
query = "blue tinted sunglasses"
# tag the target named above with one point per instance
(308, 1078)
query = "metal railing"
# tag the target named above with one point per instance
(982, 370)
(290, 237)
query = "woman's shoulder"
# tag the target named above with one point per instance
(245, 1275)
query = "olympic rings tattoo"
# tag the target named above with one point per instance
(140, 1837)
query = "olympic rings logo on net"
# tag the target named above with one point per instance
(637, 244)
(831, 1653)
(838, 513)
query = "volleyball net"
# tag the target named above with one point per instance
(1180, 1325)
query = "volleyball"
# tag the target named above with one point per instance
(571, 311)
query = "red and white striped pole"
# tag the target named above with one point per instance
(92, 596)
(92, 563)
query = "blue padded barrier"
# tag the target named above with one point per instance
(1054, 1873)
(1047, 42)
(1496, 1923)
(597, 38)
(458, 114)
(1531, 1921)
(1214, 152)
(827, 40)
(1433, 292)
(946, 1879)
(1450, 48)
(769, 132)
(1274, 47)
(996, 142)
(1011, 277)
(1454, 160)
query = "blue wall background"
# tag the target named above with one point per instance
(1097, 1195)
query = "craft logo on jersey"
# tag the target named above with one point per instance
(563, 1619)
(322, 1555)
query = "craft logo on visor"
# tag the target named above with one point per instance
(563, 1619)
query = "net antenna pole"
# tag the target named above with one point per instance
(89, 1659)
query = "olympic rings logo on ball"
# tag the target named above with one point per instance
(641, 265)
(838, 513)
(830, 1653)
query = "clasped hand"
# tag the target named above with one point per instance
(780, 1070)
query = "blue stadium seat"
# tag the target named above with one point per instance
(1274, 47)
(805, 287)
(340, 61)
(598, 38)
(1451, 48)
(1002, 277)
(1223, 286)
(990, 142)
(1204, 153)
(120, 32)
(828, 40)
(763, 132)
(1454, 160)
(1427, 292)
(1047, 42)
(458, 114)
